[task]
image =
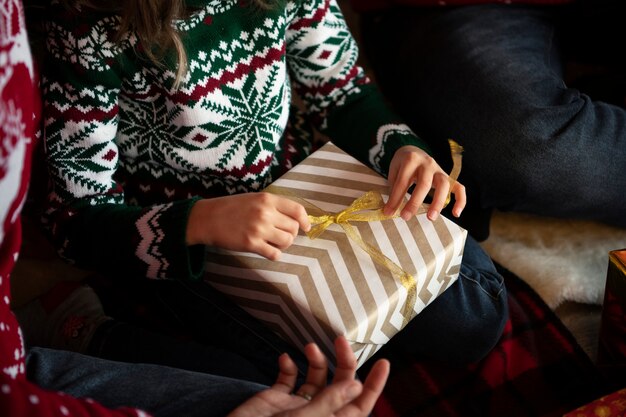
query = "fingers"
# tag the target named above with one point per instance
(345, 397)
(287, 374)
(409, 165)
(372, 388)
(460, 199)
(402, 180)
(317, 371)
(294, 211)
(441, 189)
(333, 399)
(278, 227)
(421, 190)
(441, 186)
(346, 361)
(395, 198)
(413, 167)
(349, 398)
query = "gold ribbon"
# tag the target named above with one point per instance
(456, 151)
(367, 208)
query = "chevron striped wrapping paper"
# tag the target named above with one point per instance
(323, 287)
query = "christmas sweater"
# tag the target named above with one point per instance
(19, 99)
(370, 5)
(129, 154)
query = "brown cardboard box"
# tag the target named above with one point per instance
(329, 285)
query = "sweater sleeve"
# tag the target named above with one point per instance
(19, 397)
(87, 215)
(339, 97)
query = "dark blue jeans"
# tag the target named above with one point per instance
(499, 79)
(163, 391)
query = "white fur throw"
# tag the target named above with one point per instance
(562, 260)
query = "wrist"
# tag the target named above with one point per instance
(193, 235)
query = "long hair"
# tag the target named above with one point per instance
(152, 22)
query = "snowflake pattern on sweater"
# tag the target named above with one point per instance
(122, 142)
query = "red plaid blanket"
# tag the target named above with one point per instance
(537, 369)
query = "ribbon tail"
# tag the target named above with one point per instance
(406, 279)
(456, 151)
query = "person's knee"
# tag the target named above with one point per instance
(486, 313)
(464, 324)
(521, 153)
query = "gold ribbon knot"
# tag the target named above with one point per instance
(367, 208)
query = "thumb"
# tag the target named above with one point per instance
(332, 399)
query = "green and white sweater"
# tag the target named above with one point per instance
(129, 155)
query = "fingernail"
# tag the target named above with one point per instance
(406, 216)
(432, 215)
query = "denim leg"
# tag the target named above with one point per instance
(492, 77)
(163, 391)
(124, 342)
(465, 322)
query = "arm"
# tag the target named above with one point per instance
(339, 97)
(346, 106)
(87, 215)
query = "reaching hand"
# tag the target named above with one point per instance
(411, 165)
(262, 223)
(345, 397)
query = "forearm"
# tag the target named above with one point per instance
(339, 97)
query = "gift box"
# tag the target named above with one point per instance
(361, 277)
(611, 405)
(612, 339)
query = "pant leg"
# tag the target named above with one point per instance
(160, 390)
(491, 77)
(124, 342)
(465, 322)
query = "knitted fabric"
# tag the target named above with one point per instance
(19, 112)
(16, 139)
(129, 154)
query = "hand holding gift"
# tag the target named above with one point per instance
(265, 224)
(412, 165)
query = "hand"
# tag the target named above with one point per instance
(345, 397)
(262, 223)
(411, 165)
